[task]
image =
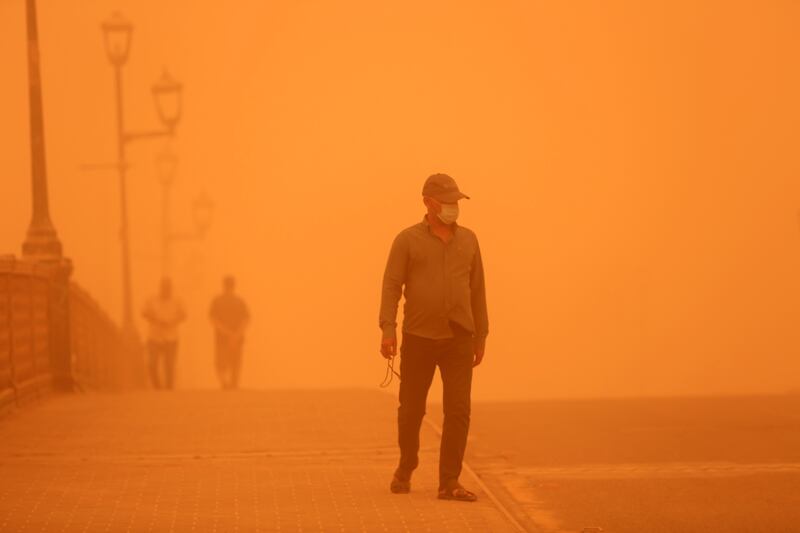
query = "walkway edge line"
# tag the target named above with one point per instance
(495, 500)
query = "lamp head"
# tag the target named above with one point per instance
(168, 97)
(203, 213)
(229, 284)
(117, 32)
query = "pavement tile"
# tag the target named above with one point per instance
(219, 462)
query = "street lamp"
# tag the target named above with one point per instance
(118, 32)
(41, 241)
(168, 97)
(42, 244)
(202, 210)
(167, 94)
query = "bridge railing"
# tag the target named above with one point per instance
(25, 366)
(32, 325)
(96, 343)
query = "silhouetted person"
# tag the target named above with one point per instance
(163, 312)
(229, 315)
(437, 265)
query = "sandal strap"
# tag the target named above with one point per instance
(457, 492)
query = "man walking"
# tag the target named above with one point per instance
(229, 316)
(163, 313)
(437, 265)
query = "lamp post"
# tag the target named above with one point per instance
(202, 211)
(167, 94)
(41, 243)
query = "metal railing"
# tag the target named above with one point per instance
(30, 336)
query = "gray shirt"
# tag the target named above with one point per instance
(441, 283)
(230, 310)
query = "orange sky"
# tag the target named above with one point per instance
(633, 168)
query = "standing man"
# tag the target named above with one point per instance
(163, 313)
(438, 265)
(229, 315)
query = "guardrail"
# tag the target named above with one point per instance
(25, 365)
(96, 343)
(37, 327)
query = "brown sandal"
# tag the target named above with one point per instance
(400, 485)
(457, 493)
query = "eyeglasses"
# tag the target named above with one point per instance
(390, 373)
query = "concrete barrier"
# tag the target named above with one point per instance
(37, 329)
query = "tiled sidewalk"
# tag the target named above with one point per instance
(219, 462)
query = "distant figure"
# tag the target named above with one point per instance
(437, 265)
(229, 315)
(163, 313)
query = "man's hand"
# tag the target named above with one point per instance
(389, 347)
(480, 349)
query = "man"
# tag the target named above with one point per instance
(229, 315)
(163, 313)
(437, 265)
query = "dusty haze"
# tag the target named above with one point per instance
(633, 171)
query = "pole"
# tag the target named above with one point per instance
(41, 244)
(129, 370)
(128, 325)
(41, 241)
(166, 230)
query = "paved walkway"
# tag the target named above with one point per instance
(220, 462)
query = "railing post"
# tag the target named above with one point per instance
(60, 343)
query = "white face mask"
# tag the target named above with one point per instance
(449, 213)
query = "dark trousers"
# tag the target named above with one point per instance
(419, 358)
(228, 357)
(162, 353)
